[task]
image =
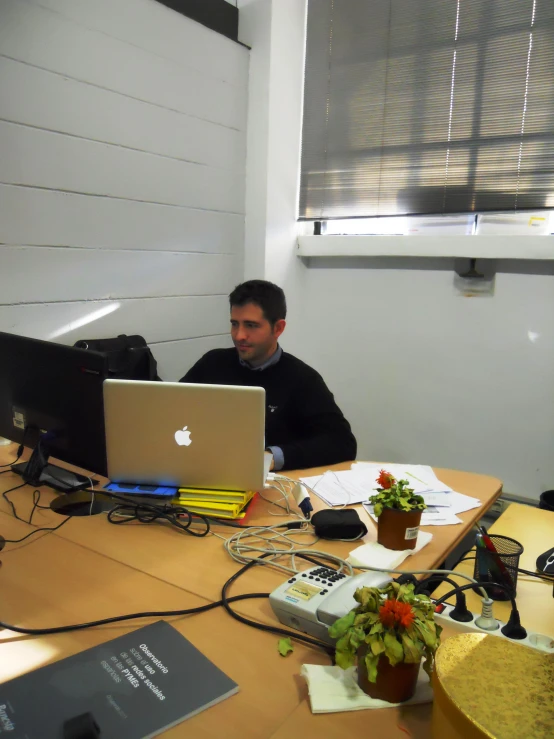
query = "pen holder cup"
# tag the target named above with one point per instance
(498, 567)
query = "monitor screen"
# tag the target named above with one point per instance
(54, 392)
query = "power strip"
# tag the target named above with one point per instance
(536, 641)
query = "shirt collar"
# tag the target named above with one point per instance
(274, 358)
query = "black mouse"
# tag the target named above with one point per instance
(545, 562)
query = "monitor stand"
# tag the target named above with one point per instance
(56, 477)
(76, 499)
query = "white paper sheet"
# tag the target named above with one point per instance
(444, 518)
(339, 488)
(357, 485)
(421, 477)
(461, 503)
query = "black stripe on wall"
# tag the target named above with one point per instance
(218, 15)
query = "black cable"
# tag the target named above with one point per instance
(127, 617)
(265, 627)
(37, 531)
(36, 501)
(474, 586)
(548, 578)
(150, 513)
(18, 455)
(441, 578)
(5, 496)
(519, 569)
(464, 559)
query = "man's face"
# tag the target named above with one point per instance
(253, 335)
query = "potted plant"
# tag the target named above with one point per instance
(398, 511)
(388, 634)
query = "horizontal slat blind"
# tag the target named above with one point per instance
(435, 106)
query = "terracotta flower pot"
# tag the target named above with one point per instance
(394, 684)
(398, 529)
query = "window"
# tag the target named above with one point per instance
(427, 107)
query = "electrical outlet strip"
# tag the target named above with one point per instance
(536, 641)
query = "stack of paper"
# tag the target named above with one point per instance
(359, 483)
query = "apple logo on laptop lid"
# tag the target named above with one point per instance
(182, 437)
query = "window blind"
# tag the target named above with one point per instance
(427, 107)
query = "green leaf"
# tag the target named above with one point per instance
(368, 598)
(345, 659)
(377, 628)
(371, 662)
(393, 648)
(412, 654)
(285, 646)
(341, 625)
(343, 644)
(357, 637)
(426, 634)
(377, 646)
(429, 662)
(377, 510)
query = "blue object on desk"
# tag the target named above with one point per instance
(132, 488)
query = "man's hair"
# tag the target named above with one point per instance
(269, 297)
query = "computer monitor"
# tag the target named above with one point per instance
(51, 399)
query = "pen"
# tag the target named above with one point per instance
(415, 478)
(498, 569)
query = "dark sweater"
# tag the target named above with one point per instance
(301, 414)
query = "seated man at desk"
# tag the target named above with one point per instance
(304, 426)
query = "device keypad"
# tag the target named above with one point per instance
(326, 576)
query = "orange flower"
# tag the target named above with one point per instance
(387, 614)
(385, 480)
(393, 613)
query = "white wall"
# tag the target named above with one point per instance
(276, 33)
(122, 174)
(428, 376)
(423, 374)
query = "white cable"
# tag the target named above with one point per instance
(278, 483)
(244, 553)
(238, 550)
(265, 540)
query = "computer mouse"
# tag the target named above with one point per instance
(545, 562)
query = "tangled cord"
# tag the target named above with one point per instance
(36, 504)
(127, 511)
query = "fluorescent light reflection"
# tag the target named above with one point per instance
(84, 321)
(20, 657)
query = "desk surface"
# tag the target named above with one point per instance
(166, 553)
(534, 529)
(53, 582)
(90, 569)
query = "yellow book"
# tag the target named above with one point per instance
(223, 496)
(225, 509)
(216, 513)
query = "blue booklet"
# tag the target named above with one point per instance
(135, 686)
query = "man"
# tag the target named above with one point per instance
(304, 426)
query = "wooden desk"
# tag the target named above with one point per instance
(52, 582)
(167, 553)
(90, 569)
(534, 529)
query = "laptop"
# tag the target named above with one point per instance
(185, 435)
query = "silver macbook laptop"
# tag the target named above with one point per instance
(176, 434)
